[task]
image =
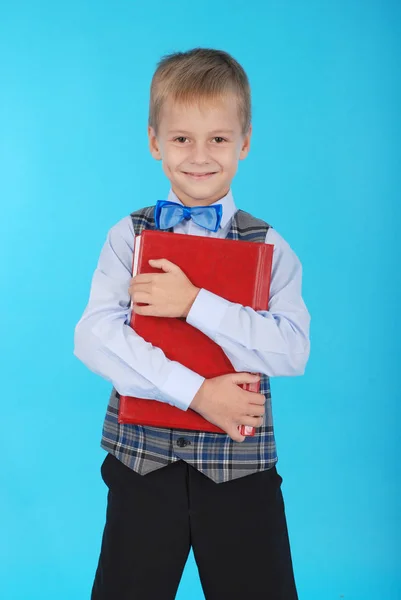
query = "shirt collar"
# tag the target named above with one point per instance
(229, 208)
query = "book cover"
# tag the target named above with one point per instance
(236, 270)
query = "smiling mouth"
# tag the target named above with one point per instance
(199, 175)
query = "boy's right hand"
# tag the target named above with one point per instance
(221, 401)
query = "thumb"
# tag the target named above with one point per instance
(244, 378)
(162, 263)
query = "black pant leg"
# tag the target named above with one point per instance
(240, 538)
(146, 539)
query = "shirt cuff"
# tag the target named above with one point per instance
(181, 386)
(207, 312)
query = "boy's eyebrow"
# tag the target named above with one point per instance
(230, 131)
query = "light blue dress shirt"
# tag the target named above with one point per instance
(273, 342)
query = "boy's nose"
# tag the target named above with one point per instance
(199, 155)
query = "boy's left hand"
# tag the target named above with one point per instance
(168, 294)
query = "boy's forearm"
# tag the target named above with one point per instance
(259, 342)
(274, 342)
(135, 367)
(108, 346)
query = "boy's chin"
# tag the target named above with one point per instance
(192, 199)
(201, 191)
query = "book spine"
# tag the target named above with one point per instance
(261, 293)
(248, 430)
(135, 261)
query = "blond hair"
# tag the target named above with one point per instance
(199, 75)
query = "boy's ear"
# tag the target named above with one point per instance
(153, 144)
(246, 144)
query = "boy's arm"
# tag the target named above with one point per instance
(108, 346)
(273, 342)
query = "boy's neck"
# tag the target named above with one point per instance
(192, 202)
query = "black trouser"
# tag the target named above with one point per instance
(237, 531)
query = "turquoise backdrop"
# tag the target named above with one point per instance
(324, 170)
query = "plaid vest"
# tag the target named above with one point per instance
(145, 449)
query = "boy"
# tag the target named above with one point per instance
(171, 490)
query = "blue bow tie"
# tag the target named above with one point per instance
(168, 214)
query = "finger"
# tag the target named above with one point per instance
(140, 287)
(256, 410)
(244, 377)
(255, 398)
(162, 263)
(252, 421)
(235, 435)
(145, 278)
(233, 431)
(147, 311)
(142, 297)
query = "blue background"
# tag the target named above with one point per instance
(324, 169)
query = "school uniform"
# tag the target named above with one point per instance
(170, 490)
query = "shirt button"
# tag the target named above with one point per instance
(181, 442)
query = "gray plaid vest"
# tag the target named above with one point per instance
(145, 449)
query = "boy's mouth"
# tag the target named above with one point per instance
(199, 175)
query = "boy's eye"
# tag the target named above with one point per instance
(181, 138)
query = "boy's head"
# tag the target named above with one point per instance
(200, 122)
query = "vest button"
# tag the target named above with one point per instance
(181, 442)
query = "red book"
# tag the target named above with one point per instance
(236, 270)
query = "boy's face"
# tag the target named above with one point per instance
(203, 139)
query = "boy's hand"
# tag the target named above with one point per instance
(221, 401)
(168, 294)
